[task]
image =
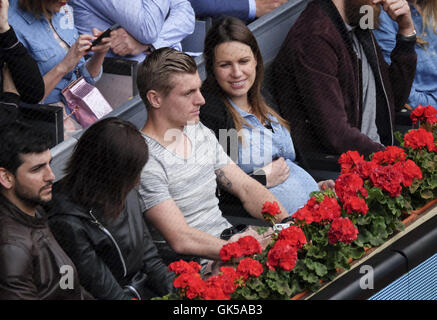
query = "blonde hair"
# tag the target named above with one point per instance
(155, 72)
(429, 18)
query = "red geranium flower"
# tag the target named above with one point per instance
(293, 234)
(282, 254)
(349, 161)
(410, 170)
(182, 266)
(214, 293)
(342, 230)
(349, 185)
(424, 114)
(355, 204)
(249, 267)
(313, 211)
(229, 278)
(430, 114)
(391, 155)
(191, 284)
(420, 138)
(249, 245)
(270, 209)
(306, 213)
(388, 178)
(230, 250)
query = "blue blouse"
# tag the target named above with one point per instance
(37, 36)
(424, 89)
(260, 146)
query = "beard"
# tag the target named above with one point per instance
(29, 198)
(353, 15)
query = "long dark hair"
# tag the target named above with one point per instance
(233, 29)
(105, 165)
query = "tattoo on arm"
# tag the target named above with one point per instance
(222, 180)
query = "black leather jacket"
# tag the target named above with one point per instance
(116, 258)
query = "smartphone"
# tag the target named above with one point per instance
(105, 34)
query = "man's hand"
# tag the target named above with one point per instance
(4, 24)
(326, 184)
(265, 6)
(399, 11)
(123, 44)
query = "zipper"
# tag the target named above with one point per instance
(359, 92)
(101, 227)
(134, 291)
(383, 87)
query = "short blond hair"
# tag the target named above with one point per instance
(156, 71)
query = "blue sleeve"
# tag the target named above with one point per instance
(179, 24)
(422, 97)
(143, 19)
(217, 8)
(386, 35)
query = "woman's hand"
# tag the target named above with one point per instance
(276, 172)
(76, 52)
(103, 46)
(4, 24)
(326, 184)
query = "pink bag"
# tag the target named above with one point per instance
(86, 102)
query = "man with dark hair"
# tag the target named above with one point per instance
(178, 184)
(332, 83)
(32, 264)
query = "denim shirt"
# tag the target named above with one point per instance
(260, 146)
(424, 89)
(37, 36)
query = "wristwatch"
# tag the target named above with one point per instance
(410, 37)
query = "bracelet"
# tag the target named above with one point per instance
(285, 220)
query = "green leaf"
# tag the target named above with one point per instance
(427, 194)
(315, 252)
(320, 269)
(355, 252)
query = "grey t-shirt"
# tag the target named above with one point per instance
(368, 123)
(190, 182)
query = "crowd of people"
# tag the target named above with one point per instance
(132, 201)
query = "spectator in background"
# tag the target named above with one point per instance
(178, 183)
(96, 216)
(246, 10)
(262, 141)
(32, 263)
(46, 29)
(332, 83)
(145, 24)
(424, 14)
(20, 75)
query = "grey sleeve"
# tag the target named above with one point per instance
(153, 188)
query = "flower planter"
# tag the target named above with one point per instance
(425, 207)
(413, 216)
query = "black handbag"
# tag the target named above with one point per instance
(44, 117)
